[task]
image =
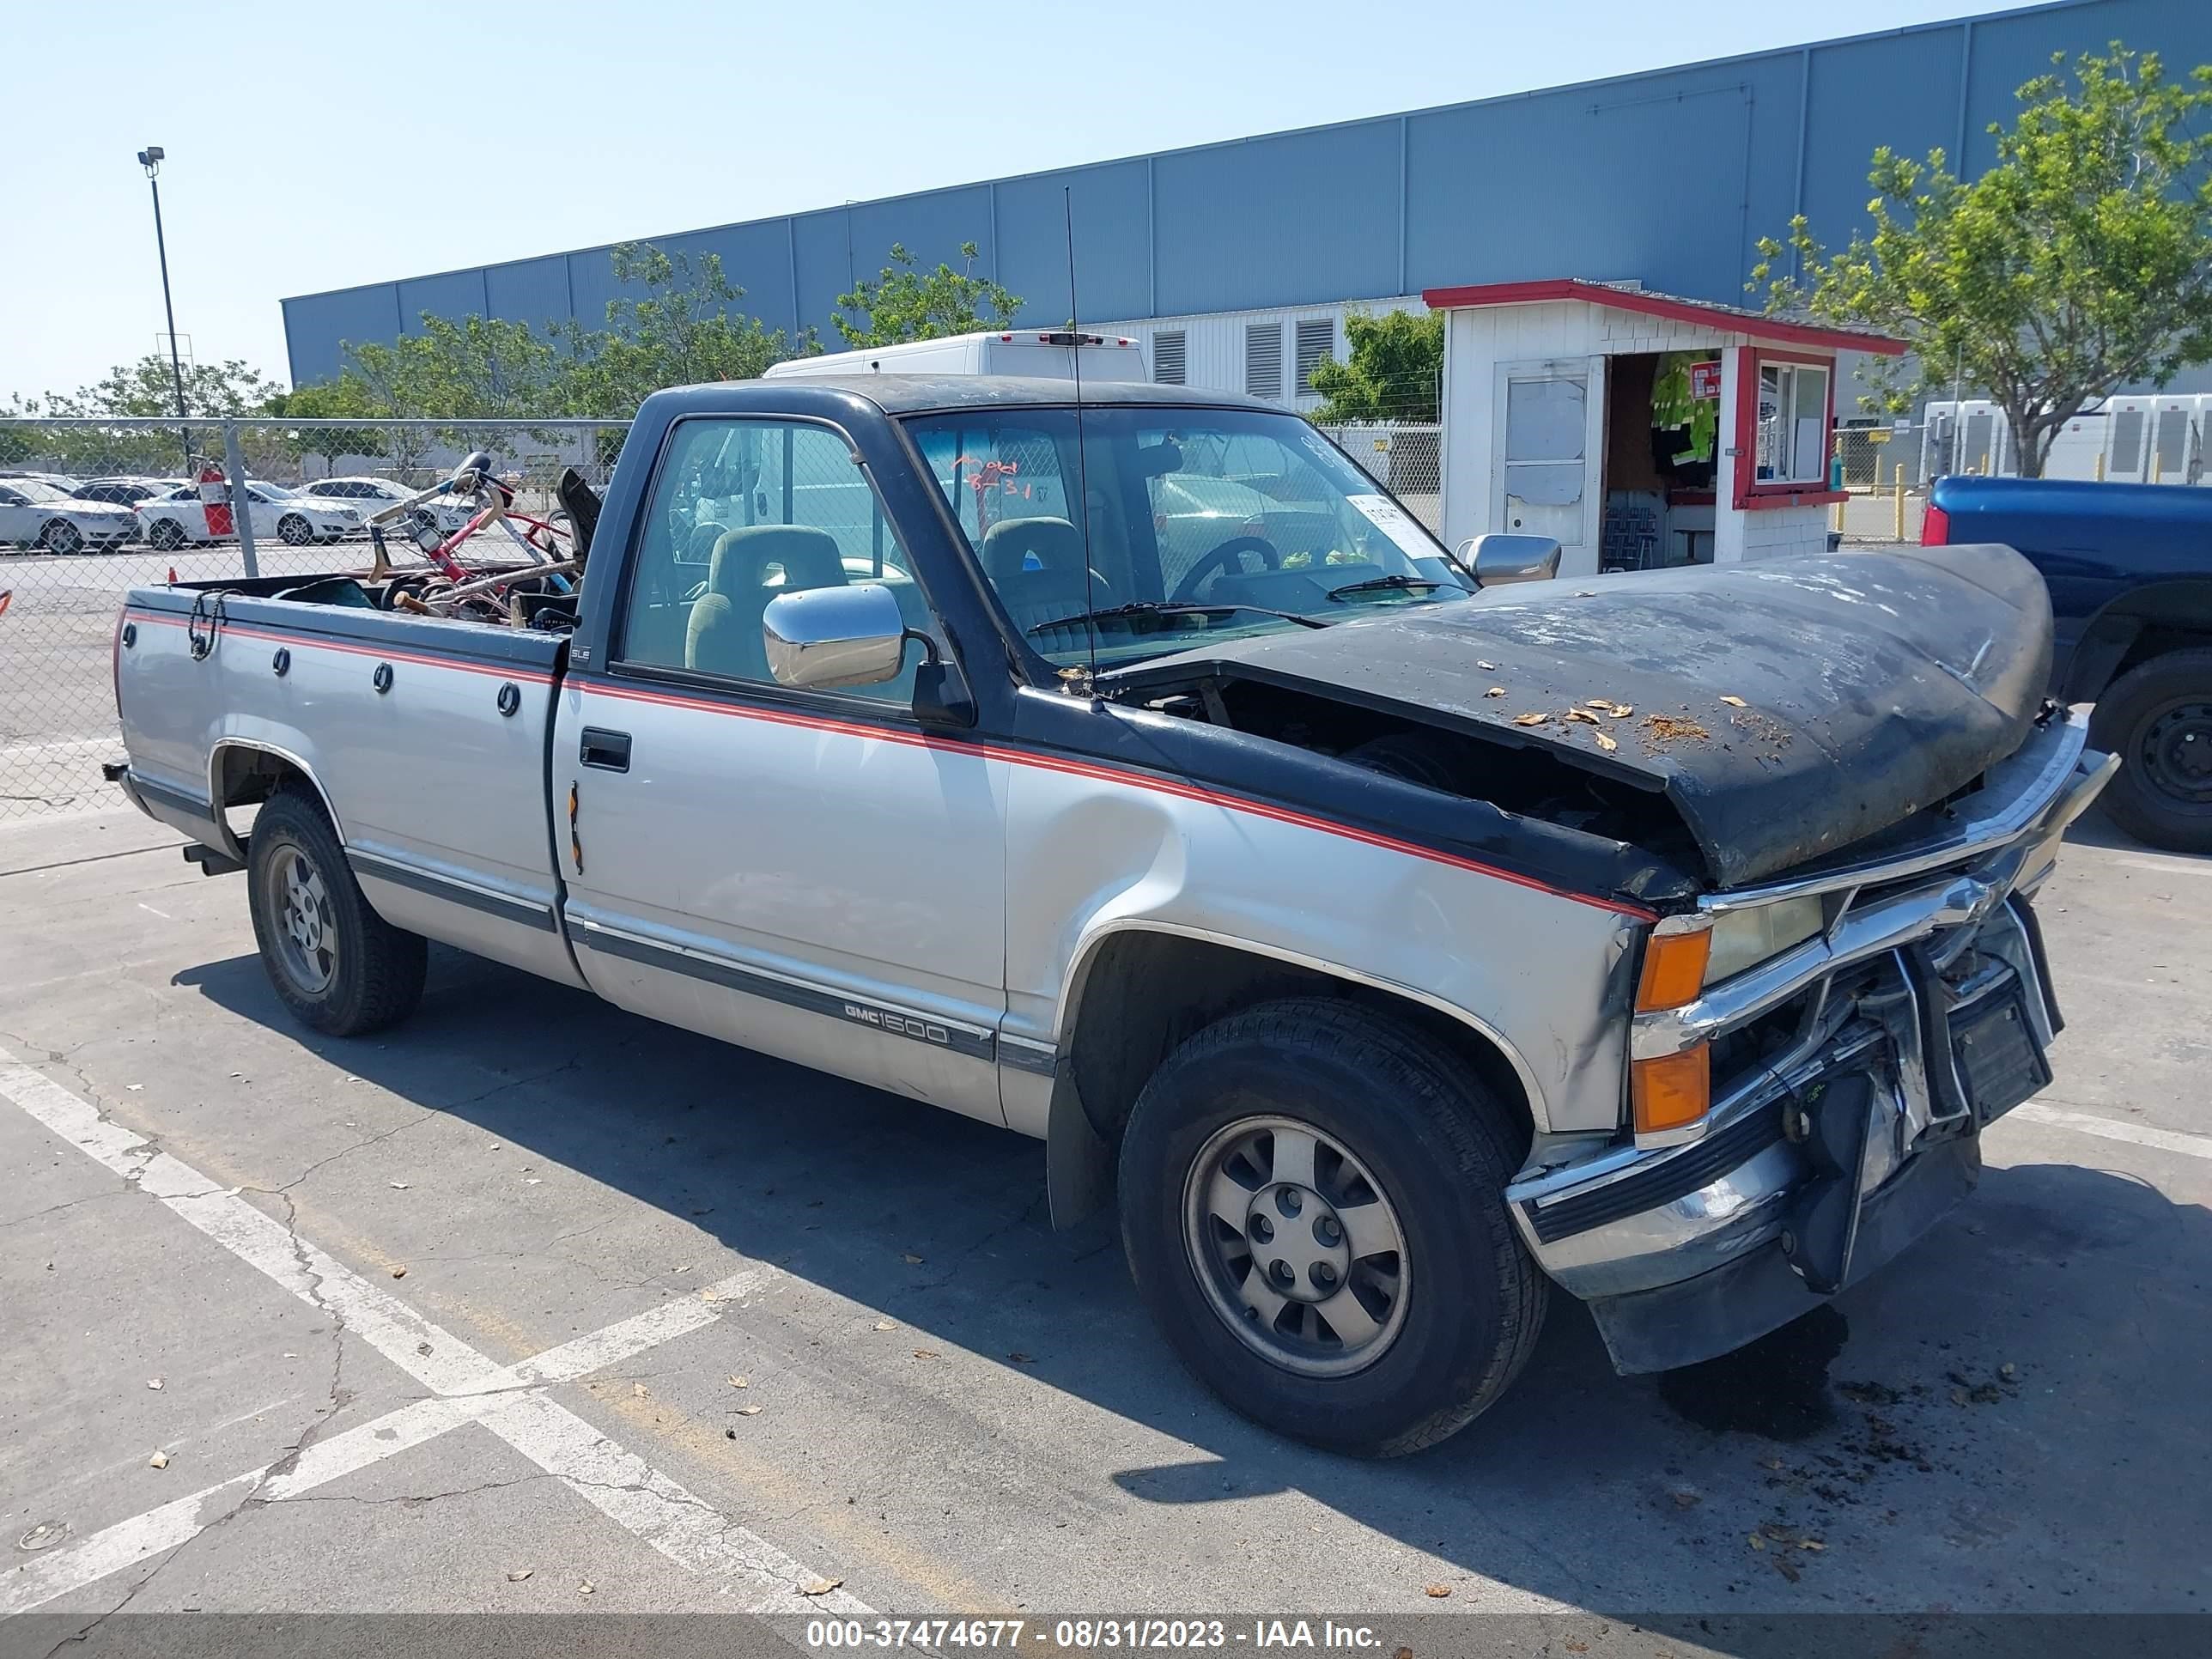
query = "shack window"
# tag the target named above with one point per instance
(1792, 434)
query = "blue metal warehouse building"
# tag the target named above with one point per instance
(1666, 178)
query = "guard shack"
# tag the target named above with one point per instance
(1640, 430)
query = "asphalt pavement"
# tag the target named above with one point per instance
(530, 1305)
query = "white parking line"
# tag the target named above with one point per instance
(2166, 1140)
(469, 1386)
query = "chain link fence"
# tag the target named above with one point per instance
(1405, 457)
(1885, 470)
(91, 508)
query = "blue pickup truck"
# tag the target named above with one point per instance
(2129, 571)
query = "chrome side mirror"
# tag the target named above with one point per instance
(821, 637)
(1500, 558)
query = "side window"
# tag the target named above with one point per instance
(744, 511)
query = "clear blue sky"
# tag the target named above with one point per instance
(314, 146)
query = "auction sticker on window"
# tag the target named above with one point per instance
(1386, 516)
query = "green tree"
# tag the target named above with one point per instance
(347, 397)
(685, 330)
(477, 369)
(2080, 263)
(147, 389)
(908, 303)
(1394, 371)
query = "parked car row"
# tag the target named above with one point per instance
(63, 515)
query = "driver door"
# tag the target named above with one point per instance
(810, 873)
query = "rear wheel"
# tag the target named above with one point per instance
(60, 536)
(166, 535)
(1312, 1203)
(2158, 719)
(331, 960)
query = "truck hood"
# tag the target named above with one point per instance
(1784, 709)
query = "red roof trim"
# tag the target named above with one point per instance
(1660, 304)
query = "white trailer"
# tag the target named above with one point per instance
(1039, 354)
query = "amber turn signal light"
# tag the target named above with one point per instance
(1673, 969)
(1671, 1090)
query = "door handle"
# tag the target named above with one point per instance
(608, 750)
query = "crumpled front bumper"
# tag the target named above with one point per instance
(1687, 1250)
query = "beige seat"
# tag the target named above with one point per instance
(749, 567)
(1037, 565)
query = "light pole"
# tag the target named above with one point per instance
(150, 158)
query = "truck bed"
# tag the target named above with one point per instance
(429, 739)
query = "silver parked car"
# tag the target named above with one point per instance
(34, 513)
(1395, 939)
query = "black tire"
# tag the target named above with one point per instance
(295, 531)
(1440, 1149)
(166, 535)
(374, 974)
(2157, 718)
(60, 536)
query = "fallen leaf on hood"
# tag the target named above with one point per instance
(1813, 1544)
(1621, 711)
(911, 1259)
(1787, 1568)
(1735, 702)
(1439, 1592)
(1479, 663)
(158, 1461)
(2008, 1370)
(1021, 1358)
(1607, 743)
(1687, 1500)
(1757, 1542)
(885, 1325)
(820, 1586)
(1495, 691)
(1583, 714)
(518, 1574)
(741, 1382)
(1530, 718)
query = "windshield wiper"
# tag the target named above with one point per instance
(1378, 584)
(1169, 607)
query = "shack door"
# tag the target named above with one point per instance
(1547, 448)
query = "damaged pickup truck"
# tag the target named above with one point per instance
(1395, 939)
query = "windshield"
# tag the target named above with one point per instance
(1203, 523)
(34, 490)
(272, 492)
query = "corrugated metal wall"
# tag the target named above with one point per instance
(1668, 178)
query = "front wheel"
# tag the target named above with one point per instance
(295, 531)
(62, 536)
(331, 960)
(1312, 1204)
(2157, 717)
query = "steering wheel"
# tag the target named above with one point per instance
(1219, 560)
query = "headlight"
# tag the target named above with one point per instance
(1743, 938)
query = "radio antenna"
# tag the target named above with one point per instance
(1082, 444)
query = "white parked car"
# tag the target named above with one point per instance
(372, 496)
(33, 513)
(179, 518)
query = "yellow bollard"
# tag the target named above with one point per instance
(2157, 472)
(2101, 466)
(1900, 501)
(1836, 519)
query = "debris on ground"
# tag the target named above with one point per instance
(885, 1325)
(516, 1575)
(749, 1411)
(1495, 691)
(399, 1272)
(1439, 1592)
(925, 1353)
(154, 1384)
(737, 1381)
(160, 1459)
(820, 1586)
(397, 1186)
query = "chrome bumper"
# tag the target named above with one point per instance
(1628, 1227)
